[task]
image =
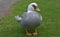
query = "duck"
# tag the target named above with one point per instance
(31, 19)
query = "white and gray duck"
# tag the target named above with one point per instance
(31, 19)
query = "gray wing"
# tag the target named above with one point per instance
(30, 20)
(19, 19)
(24, 14)
(23, 21)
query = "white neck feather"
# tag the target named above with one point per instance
(29, 11)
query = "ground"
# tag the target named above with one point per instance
(6, 6)
(50, 27)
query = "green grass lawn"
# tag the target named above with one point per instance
(50, 27)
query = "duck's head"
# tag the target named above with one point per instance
(33, 7)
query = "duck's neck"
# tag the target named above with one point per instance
(29, 11)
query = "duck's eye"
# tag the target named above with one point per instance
(34, 6)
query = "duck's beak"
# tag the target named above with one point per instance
(37, 9)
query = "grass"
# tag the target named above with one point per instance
(50, 27)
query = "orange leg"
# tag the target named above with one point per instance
(28, 33)
(35, 33)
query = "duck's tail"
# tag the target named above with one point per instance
(18, 18)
